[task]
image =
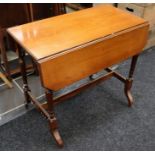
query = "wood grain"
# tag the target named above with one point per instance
(71, 47)
(3, 77)
(54, 35)
(59, 72)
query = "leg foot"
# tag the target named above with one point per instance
(52, 119)
(55, 133)
(128, 94)
(129, 81)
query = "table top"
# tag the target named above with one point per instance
(54, 35)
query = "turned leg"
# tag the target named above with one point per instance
(52, 120)
(21, 55)
(36, 72)
(129, 81)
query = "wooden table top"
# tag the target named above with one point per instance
(54, 35)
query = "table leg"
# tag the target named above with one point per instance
(129, 81)
(53, 121)
(36, 72)
(21, 55)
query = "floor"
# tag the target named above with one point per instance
(12, 101)
(96, 119)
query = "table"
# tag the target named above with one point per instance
(70, 47)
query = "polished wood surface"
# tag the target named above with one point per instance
(16, 14)
(53, 35)
(13, 14)
(71, 47)
(62, 71)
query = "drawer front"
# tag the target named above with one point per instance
(145, 11)
(132, 8)
(151, 39)
(151, 33)
(149, 15)
(150, 43)
(57, 73)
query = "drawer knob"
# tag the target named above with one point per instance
(130, 9)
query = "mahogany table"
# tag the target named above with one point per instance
(70, 47)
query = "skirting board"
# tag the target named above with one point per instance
(16, 112)
(13, 113)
